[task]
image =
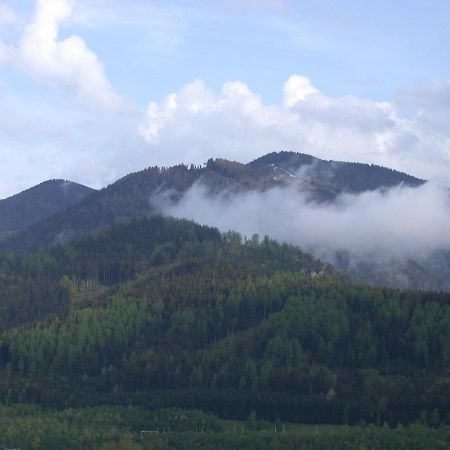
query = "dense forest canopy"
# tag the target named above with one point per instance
(169, 313)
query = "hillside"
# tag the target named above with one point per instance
(39, 202)
(133, 195)
(164, 313)
(35, 285)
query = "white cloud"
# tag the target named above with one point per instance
(408, 133)
(177, 128)
(67, 62)
(372, 226)
(296, 89)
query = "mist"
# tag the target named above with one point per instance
(401, 222)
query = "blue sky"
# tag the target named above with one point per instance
(93, 89)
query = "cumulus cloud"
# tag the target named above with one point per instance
(177, 128)
(401, 222)
(296, 89)
(68, 62)
(408, 133)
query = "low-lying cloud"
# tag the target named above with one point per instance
(402, 222)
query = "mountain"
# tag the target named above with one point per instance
(35, 204)
(132, 195)
(158, 312)
(155, 323)
(327, 179)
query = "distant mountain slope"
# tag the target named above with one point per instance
(28, 207)
(132, 195)
(326, 179)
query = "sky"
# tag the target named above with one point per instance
(91, 90)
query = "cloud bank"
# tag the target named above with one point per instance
(401, 222)
(409, 133)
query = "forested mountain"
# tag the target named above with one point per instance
(132, 195)
(22, 210)
(188, 317)
(326, 179)
(33, 285)
(160, 313)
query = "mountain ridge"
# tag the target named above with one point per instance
(332, 178)
(131, 195)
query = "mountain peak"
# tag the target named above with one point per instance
(331, 177)
(38, 202)
(283, 158)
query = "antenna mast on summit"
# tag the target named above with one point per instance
(205, 149)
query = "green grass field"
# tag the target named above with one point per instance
(30, 427)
